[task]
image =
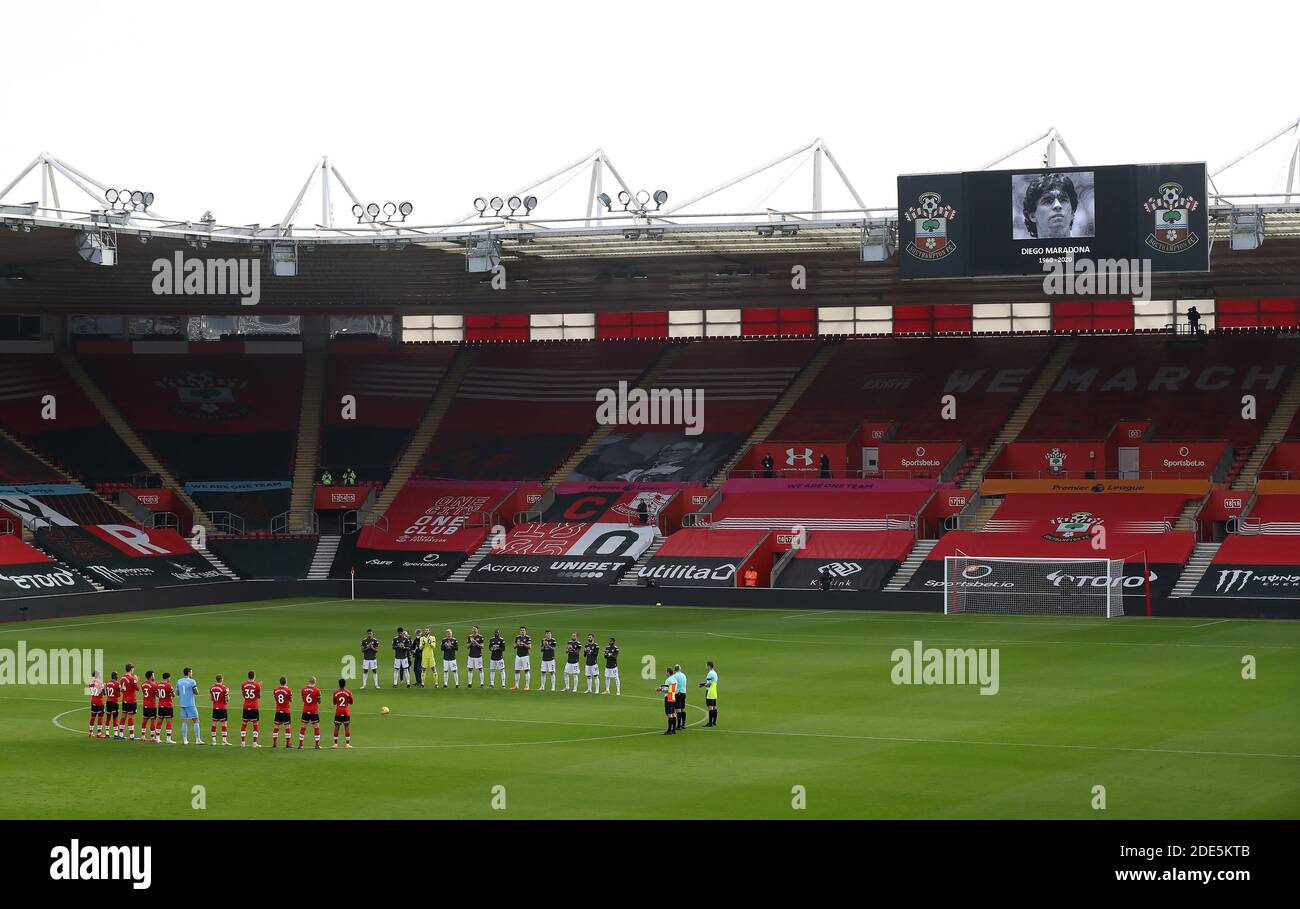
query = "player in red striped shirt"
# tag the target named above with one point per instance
(282, 697)
(96, 690)
(130, 685)
(342, 699)
(220, 695)
(311, 698)
(166, 709)
(112, 690)
(251, 690)
(148, 691)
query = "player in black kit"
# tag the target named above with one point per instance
(475, 660)
(571, 651)
(548, 659)
(611, 668)
(591, 652)
(497, 651)
(449, 665)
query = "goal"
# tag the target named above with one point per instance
(1033, 586)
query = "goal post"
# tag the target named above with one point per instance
(1028, 586)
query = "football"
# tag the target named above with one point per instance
(383, 711)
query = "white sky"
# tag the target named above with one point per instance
(226, 106)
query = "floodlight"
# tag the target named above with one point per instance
(406, 208)
(111, 195)
(661, 196)
(284, 259)
(358, 210)
(1247, 231)
(148, 199)
(480, 205)
(877, 245)
(372, 209)
(513, 203)
(98, 247)
(605, 200)
(625, 197)
(137, 198)
(530, 202)
(390, 209)
(497, 204)
(642, 197)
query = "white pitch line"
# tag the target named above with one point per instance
(1208, 624)
(805, 614)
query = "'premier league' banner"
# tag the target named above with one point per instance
(1016, 222)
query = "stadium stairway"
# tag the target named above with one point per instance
(323, 559)
(920, 552)
(129, 438)
(1024, 410)
(647, 381)
(1278, 423)
(306, 458)
(1202, 555)
(423, 435)
(983, 513)
(629, 578)
(211, 558)
(461, 574)
(782, 406)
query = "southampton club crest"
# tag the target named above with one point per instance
(1172, 211)
(1074, 529)
(204, 395)
(1055, 460)
(931, 218)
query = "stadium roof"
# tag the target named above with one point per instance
(635, 253)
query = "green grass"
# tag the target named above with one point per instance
(1154, 710)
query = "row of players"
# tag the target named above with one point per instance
(159, 696)
(415, 655)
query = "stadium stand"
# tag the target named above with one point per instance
(208, 416)
(76, 437)
(846, 560)
(25, 571)
(19, 466)
(254, 509)
(900, 381)
(862, 505)
(739, 381)
(1189, 390)
(392, 391)
(522, 408)
(258, 558)
(1263, 558)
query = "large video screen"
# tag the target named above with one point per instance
(1017, 222)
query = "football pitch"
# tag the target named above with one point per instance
(812, 721)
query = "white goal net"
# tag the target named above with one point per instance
(1033, 586)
